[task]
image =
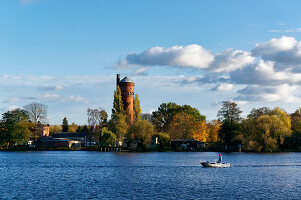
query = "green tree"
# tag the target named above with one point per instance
(117, 105)
(142, 131)
(108, 138)
(103, 117)
(118, 123)
(55, 129)
(166, 111)
(137, 108)
(14, 127)
(229, 115)
(163, 139)
(65, 125)
(85, 129)
(294, 142)
(257, 112)
(79, 129)
(264, 133)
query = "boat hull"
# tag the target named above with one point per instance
(215, 164)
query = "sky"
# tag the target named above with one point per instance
(66, 54)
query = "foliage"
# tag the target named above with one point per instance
(229, 115)
(163, 139)
(255, 113)
(213, 128)
(166, 111)
(72, 128)
(117, 105)
(142, 131)
(118, 123)
(137, 109)
(103, 116)
(85, 129)
(264, 133)
(107, 138)
(14, 127)
(283, 116)
(185, 126)
(55, 129)
(65, 125)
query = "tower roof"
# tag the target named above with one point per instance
(126, 80)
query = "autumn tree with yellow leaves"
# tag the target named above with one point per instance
(185, 126)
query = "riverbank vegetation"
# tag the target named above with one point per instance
(263, 130)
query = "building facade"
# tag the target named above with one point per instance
(127, 88)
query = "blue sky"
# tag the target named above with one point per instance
(66, 53)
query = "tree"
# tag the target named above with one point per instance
(37, 112)
(229, 115)
(108, 138)
(294, 141)
(118, 123)
(72, 128)
(85, 129)
(163, 139)
(264, 133)
(14, 127)
(65, 125)
(103, 117)
(137, 108)
(166, 111)
(117, 105)
(213, 128)
(143, 131)
(55, 129)
(185, 126)
(96, 117)
(283, 116)
(78, 129)
(255, 113)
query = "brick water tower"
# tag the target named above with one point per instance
(127, 92)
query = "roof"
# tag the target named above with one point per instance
(126, 80)
(69, 135)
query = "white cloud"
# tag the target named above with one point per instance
(231, 60)
(223, 87)
(56, 87)
(264, 73)
(73, 98)
(278, 93)
(190, 56)
(12, 107)
(285, 50)
(292, 30)
(140, 71)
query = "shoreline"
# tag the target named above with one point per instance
(21, 149)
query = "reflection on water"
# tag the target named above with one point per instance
(103, 175)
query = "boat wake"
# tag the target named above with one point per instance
(271, 165)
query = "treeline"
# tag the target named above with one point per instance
(264, 129)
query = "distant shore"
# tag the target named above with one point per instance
(15, 149)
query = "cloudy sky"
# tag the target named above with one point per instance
(66, 54)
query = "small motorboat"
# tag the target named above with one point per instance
(214, 164)
(218, 163)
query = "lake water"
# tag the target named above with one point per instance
(170, 175)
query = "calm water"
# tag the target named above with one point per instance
(97, 175)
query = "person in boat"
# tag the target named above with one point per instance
(220, 158)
